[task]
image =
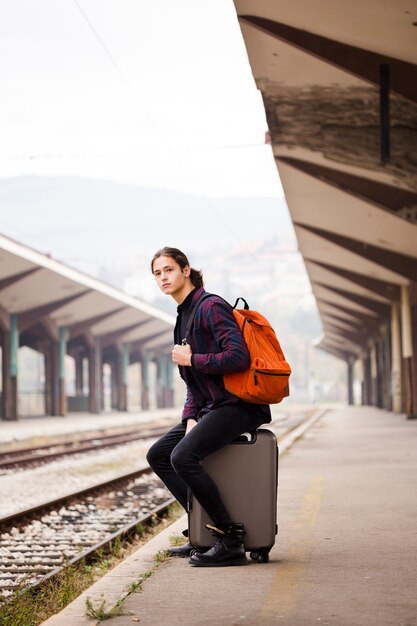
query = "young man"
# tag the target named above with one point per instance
(212, 417)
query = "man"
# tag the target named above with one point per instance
(212, 417)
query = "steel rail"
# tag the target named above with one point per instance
(123, 533)
(29, 455)
(49, 504)
(88, 553)
(89, 545)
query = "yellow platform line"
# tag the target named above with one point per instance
(282, 596)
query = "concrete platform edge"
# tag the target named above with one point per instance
(115, 584)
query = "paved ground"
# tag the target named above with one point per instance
(25, 431)
(345, 554)
(35, 427)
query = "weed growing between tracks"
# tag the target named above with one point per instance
(30, 607)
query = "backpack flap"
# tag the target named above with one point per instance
(267, 379)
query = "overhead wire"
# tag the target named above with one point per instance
(119, 70)
(156, 126)
(81, 155)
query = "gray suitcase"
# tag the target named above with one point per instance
(246, 474)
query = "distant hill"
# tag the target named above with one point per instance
(88, 222)
(246, 246)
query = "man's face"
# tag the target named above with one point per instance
(171, 279)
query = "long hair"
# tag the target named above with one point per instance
(196, 276)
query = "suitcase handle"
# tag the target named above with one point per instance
(246, 437)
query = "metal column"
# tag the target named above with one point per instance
(145, 380)
(79, 375)
(350, 381)
(62, 350)
(11, 345)
(170, 381)
(373, 376)
(95, 376)
(162, 381)
(407, 350)
(395, 359)
(124, 379)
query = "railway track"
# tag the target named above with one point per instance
(35, 456)
(35, 544)
(284, 423)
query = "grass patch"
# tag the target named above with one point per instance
(160, 557)
(136, 585)
(31, 607)
(177, 540)
(100, 612)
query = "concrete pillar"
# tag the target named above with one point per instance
(366, 384)
(48, 381)
(52, 378)
(62, 350)
(9, 366)
(55, 378)
(79, 375)
(380, 379)
(162, 381)
(407, 349)
(115, 369)
(395, 359)
(170, 381)
(373, 376)
(413, 302)
(95, 377)
(387, 368)
(360, 378)
(350, 381)
(13, 365)
(145, 362)
(125, 359)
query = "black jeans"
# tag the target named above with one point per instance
(175, 458)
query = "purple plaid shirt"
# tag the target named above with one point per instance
(217, 347)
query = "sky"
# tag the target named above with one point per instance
(111, 101)
(105, 98)
(150, 93)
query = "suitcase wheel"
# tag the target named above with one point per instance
(261, 557)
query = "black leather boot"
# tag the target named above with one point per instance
(228, 549)
(184, 550)
(181, 551)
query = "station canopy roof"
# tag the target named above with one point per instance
(37, 287)
(339, 83)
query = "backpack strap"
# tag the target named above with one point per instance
(191, 318)
(197, 304)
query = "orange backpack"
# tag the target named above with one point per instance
(267, 379)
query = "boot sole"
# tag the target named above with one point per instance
(244, 561)
(180, 556)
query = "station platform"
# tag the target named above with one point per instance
(345, 554)
(34, 428)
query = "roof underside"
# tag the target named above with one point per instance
(324, 68)
(38, 288)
